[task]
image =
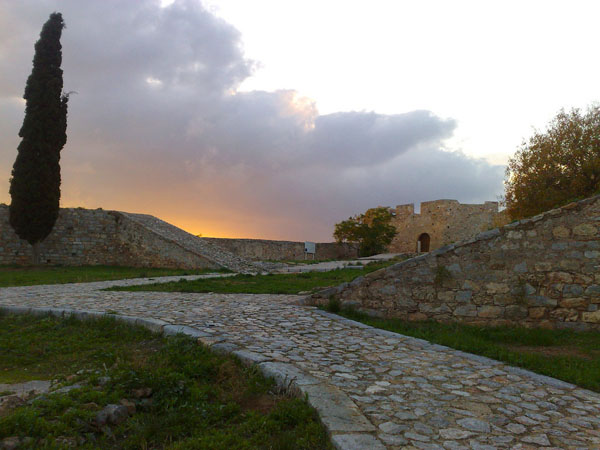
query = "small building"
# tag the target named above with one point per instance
(441, 222)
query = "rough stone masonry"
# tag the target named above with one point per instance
(543, 271)
(92, 237)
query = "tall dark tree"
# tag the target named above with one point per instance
(35, 182)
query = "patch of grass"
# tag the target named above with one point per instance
(47, 348)
(194, 398)
(564, 354)
(29, 276)
(291, 283)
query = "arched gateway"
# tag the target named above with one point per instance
(423, 243)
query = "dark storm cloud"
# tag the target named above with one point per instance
(157, 126)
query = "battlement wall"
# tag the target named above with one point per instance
(442, 222)
(538, 272)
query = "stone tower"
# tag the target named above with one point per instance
(441, 222)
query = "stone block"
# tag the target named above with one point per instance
(572, 290)
(580, 278)
(490, 312)
(470, 285)
(570, 265)
(464, 296)
(430, 308)
(521, 267)
(337, 412)
(390, 289)
(503, 300)
(542, 266)
(515, 312)
(466, 311)
(249, 358)
(585, 229)
(560, 277)
(541, 300)
(497, 288)
(575, 302)
(404, 303)
(593, 290)
(592, 317)
(285, 374)
(537, 312)
(454, 269)
(424, 293)
(356, 442)
(564, 314)
(560, 232)
(446, 296)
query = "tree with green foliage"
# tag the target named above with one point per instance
(35, 182)
(372, 231)
(556, 166)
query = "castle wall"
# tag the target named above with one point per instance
(97, 237)
(263, 249)
(445, 221)
(543, 271)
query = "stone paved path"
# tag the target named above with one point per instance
(373, 389)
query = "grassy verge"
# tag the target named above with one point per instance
(178, 394)
(291, 283)
(29, 276)
(564, 354)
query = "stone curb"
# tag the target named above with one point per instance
(348, 427)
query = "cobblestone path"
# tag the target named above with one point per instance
(373, 389)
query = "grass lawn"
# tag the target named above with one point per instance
(567, 355)
(29, 276)
(180, 394)
(291, 283)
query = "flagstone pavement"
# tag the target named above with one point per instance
(373, 389)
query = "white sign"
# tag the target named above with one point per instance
(310, 247)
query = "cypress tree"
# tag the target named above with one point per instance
(35, 182)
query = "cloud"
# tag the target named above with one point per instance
(158, 126)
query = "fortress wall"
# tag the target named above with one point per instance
(96, 237)
(543, 271)
(445, 221)
(262, 249)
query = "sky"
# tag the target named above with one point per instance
(276, 119)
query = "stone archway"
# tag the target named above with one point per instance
(423, 243)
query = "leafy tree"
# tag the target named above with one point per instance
(371, 230)
(35, 182)
(555, 166)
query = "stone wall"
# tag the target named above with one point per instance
(543, 271)
(98, 237)
(262, 249)
(445, 221)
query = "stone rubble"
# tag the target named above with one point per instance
(373, 388)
